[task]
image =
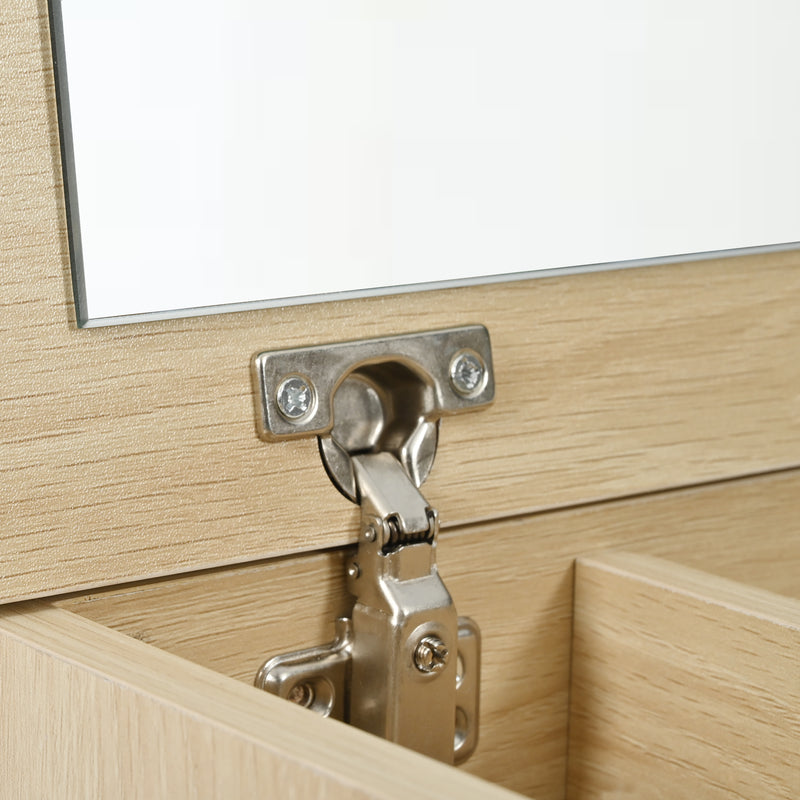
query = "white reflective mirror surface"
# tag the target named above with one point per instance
(260, 152)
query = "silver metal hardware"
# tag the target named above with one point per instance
(318, 678)
(315, 678)
(431, 654)
(380, 395)
(404, 666)
(468, 373)
(295, 397)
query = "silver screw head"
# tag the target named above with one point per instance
(467, 373)
(302, 695)
(295, 397)
(354, 571)
(431, 654)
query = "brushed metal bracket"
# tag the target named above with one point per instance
(319, 679)
(432, 356)
(404, 666)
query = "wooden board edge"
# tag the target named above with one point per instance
(747, 600)
(680, 678)
(342, 759)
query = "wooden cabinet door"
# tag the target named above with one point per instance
(94, 713)
(130, 451)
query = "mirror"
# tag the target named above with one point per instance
(255, 152)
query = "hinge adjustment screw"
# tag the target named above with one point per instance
(431, 654)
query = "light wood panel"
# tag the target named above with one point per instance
(684, 685)
(515, 578)
(131, 452)
(89, 713)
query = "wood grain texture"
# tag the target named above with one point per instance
(131, 452)
(89, 713)
(514, 577)
(684, 685)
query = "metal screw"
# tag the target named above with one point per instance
(302, 694)
(431, 654)
(370, 533)
(354, 571)
(467, 373)
(295, 397)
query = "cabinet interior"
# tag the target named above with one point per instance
(517, 578)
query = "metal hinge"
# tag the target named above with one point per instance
(404, 666)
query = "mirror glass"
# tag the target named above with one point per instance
(253, 152)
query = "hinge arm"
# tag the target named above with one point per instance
(405, 627)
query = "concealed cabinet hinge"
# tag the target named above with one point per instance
(404, 665)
